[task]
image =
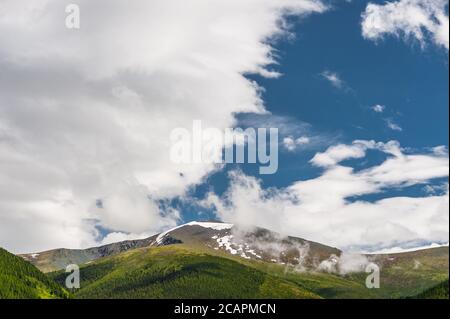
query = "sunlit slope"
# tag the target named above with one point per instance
(177, 272)
(437, 292)
(219, 260)
(411, 273)
(182, 271)
(21, 280)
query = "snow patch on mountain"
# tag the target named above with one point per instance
(243, 249)
(215, 226)
(400, 250)
(225, 242)
(211, 225)
(161, 236)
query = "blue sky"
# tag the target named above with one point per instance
(410, 80)
(87, 113)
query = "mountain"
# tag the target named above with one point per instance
(178, 272)
(21, 280)
(57, 259)
(217, 260)
(251, 243)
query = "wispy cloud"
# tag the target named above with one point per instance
(294, 134)
(320, 208)
(333, 78)
(393, 125)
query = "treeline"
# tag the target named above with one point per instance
(172, 275)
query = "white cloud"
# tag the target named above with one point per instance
(291, 144)
(333, 78)
(419, 19)
(441, 150)
(338, 153)
(116, 237)
(393, 126)
(303, 140)
(436, 189)
(345, 264)
(319, 209)
(378, 108)
(87, 114)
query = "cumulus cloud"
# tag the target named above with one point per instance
(291, 144)
(417, 19)
(338, 153)
(328, 209)
(378, 108)
(87, 114)
(345, 264)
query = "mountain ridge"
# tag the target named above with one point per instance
(219, 260)
(192, 232)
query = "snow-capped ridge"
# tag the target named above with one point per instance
(211, 225)
(399, 250)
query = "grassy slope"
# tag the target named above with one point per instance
(177, 272)
(182, 271)
(21, 280)
(437, 292)
(409, 274)
(401, 275)
(405, 274)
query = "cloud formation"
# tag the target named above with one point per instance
(333, 78)
(378, 108)
(393, 126)
(329, 208)
(411, 19)
(86, 115)
(291, 144)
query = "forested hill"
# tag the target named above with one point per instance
(21, 280)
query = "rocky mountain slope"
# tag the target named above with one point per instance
(249, 243)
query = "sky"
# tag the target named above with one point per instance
(357, 89)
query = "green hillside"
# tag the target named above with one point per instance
(212, 260)
(176, 272)
(21, 280)
(182, 271)
(437, 292)
(411, 273)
